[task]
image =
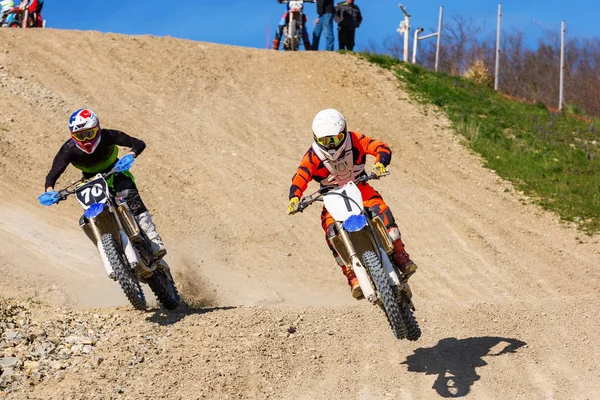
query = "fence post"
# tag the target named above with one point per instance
(498, 48)
(562, 66)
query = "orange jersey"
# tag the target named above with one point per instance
(312, 167)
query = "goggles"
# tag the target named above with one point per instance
(331, 142)
(84, 136)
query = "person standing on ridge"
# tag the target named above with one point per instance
(348, 18)
(324, 23)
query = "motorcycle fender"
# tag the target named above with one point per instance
(99, 225)
(363, 279)
(130, 253)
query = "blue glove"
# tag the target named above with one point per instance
(124, 163)
(49, 198)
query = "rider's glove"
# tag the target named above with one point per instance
(124, 163)
(293, 205)
(49, 198)
(379, 169)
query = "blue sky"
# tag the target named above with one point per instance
(245, 23)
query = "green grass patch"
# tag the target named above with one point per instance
(551, 157)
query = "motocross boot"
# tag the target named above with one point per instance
(353, 283)
(275, 44)
(147, 225)
(400, 256)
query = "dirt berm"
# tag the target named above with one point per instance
(506, 295)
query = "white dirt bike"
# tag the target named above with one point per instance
(292, 33)
(362, 241)
(124, 247)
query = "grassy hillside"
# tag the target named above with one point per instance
(552, 157)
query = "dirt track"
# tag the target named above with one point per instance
(507, 296)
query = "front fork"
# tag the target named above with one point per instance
(374, 237)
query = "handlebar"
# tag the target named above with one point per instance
(287, 1)
(67, 191)
(318, 195)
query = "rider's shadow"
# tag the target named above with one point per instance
(455, 361)
(163, 317)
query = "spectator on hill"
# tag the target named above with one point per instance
(325, 11)
(348, 18)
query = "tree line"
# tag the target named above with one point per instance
(531, 73)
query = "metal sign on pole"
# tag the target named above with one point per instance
(498, 47)
(404, 29)
(562, 65)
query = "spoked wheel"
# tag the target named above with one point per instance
(125, 276)
(164, 288)
(388, 301)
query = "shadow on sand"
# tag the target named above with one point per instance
(164, 317)
(455, 361)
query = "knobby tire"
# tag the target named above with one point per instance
(164, 289)
(125, 276)
(388, 300)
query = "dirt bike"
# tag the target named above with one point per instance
(292, 32)
(19, 17)
(124, 247)
(363, 243)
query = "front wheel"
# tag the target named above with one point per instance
(386, 294)
(125, 276)
(164, 288)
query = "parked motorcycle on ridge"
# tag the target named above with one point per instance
(17, 17)
(292, 32)
(363, 243)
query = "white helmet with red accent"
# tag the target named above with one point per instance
(85, 130)
(330, 132)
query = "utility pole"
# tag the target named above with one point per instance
(498, 48)
(439, 37)
(562, 65)
(404, 29)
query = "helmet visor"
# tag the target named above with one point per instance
(84, 136)
(331, 142)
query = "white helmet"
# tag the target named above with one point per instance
(330, 133)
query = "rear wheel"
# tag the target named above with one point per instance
(125, 276)
(388, 301)
(164, 288)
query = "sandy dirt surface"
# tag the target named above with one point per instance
(506, 295)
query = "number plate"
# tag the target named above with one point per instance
(344, 202)
(295, 5)
(93, 191)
